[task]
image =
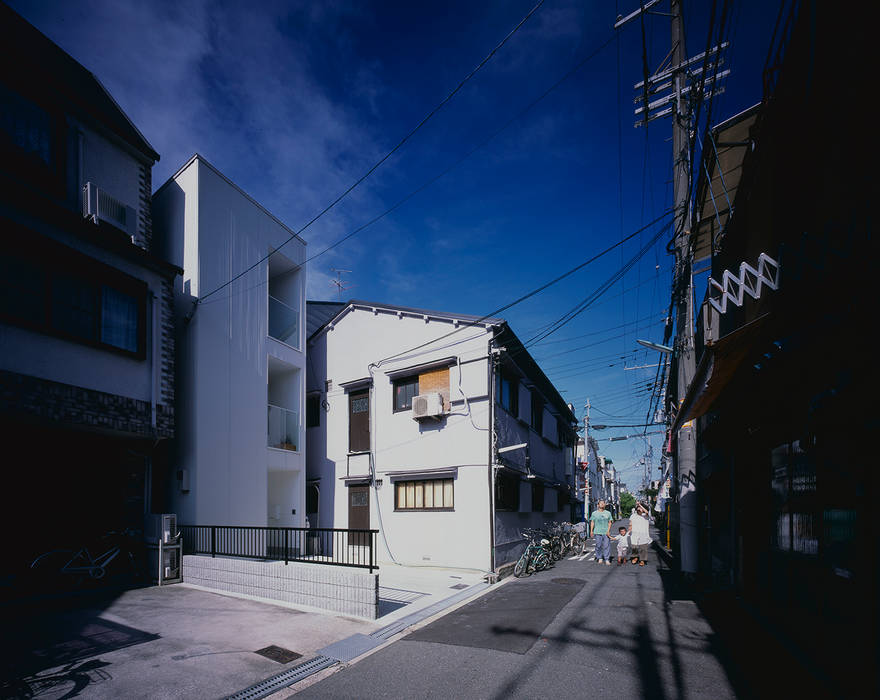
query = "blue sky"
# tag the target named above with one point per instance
(294, 101)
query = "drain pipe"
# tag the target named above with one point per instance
(490, 363)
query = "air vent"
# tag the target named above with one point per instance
(98, 205)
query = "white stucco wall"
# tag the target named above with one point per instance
(453, 538)
(215, 231)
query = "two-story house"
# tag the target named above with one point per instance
(86, 337)
(437, 429)
(239, 458)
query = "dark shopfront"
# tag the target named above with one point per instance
(66, 487)
(784, 487)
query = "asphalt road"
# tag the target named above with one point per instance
(579, 628)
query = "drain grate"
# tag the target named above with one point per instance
(569, 581)
(279, 654)
(459, 586)
(283, 679)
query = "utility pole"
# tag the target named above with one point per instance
(683, 83)
(587, 463)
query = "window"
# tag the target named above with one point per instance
(507, 392)
(73, 297)
(435, 494)
(404, 391)
(537, 497)
(25, 125)
(506, 492)
(537, 413)
(313, 410)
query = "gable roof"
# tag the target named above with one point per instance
(25, 50)
(326, 312)
(320, 314)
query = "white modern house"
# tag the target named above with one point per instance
(240, 453)
(437, 429)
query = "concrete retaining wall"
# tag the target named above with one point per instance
(334, 588)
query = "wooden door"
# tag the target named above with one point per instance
(359, 513)
(359, 421)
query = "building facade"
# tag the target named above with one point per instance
(783, 397)
(86, 324)
(240, 454)
(437, 429)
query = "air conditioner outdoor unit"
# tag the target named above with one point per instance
(162, 527)
(98, 205)
(427, 406)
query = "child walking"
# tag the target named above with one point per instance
(622, 545)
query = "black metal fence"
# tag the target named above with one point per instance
(356, 548)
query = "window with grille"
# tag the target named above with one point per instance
(74, 303)
(506, 492)
(431, 494)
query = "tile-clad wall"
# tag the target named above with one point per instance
(144, 235)
(334, 588)
(73, 405)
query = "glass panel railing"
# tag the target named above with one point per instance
(283, 322)
(284, 429)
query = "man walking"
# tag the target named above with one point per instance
(600, 527)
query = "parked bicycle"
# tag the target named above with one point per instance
(114, 553)
(536, 555)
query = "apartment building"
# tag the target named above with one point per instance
(437, 429)
(239, 458)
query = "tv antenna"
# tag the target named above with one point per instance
(339, 283)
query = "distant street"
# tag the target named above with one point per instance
(580, 628)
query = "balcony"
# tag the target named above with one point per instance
(283, 322)
(284, 429)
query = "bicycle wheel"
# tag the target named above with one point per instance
(47, 573)
(542, 561)
(521, 565)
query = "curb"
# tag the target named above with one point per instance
(349, 649)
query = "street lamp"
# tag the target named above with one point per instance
(655, 346)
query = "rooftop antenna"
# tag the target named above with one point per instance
(339, 283)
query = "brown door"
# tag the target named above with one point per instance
(359, 421)
(359, 513)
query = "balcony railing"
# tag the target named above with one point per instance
(283, 322)
(356, 548)
(284, 430)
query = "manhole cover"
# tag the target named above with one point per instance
(570, 581)
(459, 586)
(276, 653)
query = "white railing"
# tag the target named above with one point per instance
(284, 429)
(283, 322)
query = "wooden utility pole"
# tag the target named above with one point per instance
(681, 82)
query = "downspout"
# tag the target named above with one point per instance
(154, 357)
(490, 363)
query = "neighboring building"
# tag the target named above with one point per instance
(409, 414)
(240, 454)
(784, 393)
(86, 336)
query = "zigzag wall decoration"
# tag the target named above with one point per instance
(749, 281)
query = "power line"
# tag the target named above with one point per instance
(397, 147)
(532, 293)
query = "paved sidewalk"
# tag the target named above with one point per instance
(182, 642)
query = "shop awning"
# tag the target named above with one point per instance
(717, 367)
